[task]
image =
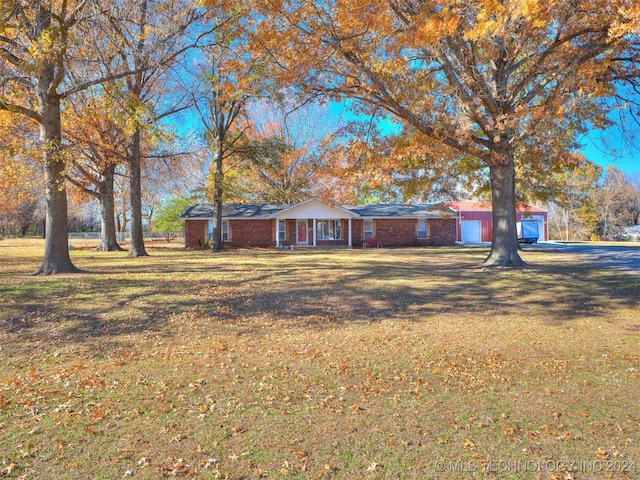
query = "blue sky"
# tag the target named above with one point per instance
(609, 148)
(604, 148)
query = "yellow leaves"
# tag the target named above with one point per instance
(511, 431)
(49, 45)
(374, 466)
(628, 23)
(502, 18)
(18, 175)
(430, 30)
(9, 469)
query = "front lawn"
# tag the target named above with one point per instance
(407, 363)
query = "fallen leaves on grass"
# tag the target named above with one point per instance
(179, 468)
(373, 467)
(9, 469)
(469, 444)
(239, 374)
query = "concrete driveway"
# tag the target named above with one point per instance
(625, 258)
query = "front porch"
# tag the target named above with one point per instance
(314, 224)
(313, 232)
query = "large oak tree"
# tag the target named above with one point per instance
(222, 111)
(97, 146)
(45, 49)
(35, 40)
(150, 39)
(478, 77)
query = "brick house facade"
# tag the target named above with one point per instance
(313, 223)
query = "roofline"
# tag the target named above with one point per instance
(309, 200)
(407, 217)
(224, 218)
(488, 207)
(444, 211)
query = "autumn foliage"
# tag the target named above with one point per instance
(481, 78)
(18, 172)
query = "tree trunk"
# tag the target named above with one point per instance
(218, 192)
(136, 247)
(504, 245)
(56, 247)
(108, 238)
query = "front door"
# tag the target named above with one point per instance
(302, 232)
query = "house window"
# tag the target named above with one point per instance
(225, 230)
(329, 230)
(422, 229)
(282, 230)
(368, 228)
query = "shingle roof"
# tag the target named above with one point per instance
(205, 211)
(234, 210)
(401, 211)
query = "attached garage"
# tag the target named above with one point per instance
(470, 231)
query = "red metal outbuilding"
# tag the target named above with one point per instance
(475, 220)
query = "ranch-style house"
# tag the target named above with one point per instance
(313, 223)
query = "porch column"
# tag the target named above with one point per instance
(349, 229)
(314, 232)
(277, 233)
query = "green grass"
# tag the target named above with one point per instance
(408, 363)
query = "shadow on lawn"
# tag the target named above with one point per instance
(239, 292)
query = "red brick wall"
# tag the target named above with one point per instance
(403, 232)
(195, 230)
(391, 232)
(394, 232)
(442, 232)
(252, 233)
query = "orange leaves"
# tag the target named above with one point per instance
(179, 468)
(9, 469)
(469, 444)
(511, 431)
(473, 76)
(19, 170)
(474, 375)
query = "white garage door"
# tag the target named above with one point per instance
(470, 231)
